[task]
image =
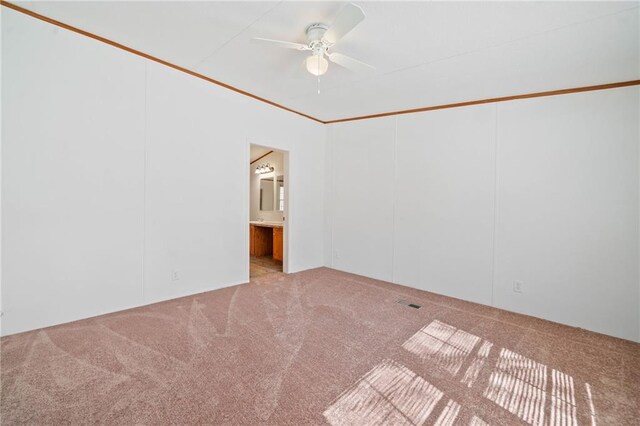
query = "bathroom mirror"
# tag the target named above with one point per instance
(266, 193)
(280, 193)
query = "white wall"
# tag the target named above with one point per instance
(567, 223)
(445, 200)
(362, 194)
(275, 160)
(1, 133)
(195, 186)
(543, 191)
(72, 175)
(117, 171)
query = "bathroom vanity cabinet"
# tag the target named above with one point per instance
(266, 239)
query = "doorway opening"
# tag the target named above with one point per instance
(268, 204)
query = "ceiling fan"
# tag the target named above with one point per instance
(321, 39)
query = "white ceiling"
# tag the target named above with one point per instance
(426, 53)
(257, 152)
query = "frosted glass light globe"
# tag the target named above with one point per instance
(317, 64)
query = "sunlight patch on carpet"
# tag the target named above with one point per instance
(390, 393)
(442, 343)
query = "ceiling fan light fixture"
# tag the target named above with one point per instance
(317, 64)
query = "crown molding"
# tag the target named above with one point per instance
(492, 100)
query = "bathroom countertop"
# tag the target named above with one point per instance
(267, 224)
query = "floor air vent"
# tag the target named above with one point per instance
(411, 305)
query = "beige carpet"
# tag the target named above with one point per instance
(318, 347)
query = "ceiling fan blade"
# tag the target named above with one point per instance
(347, 19)
(280, 43)
(350, 63)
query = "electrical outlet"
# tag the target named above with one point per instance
(517, 286)
(175, 275)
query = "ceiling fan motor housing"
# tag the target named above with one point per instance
(315, 32)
